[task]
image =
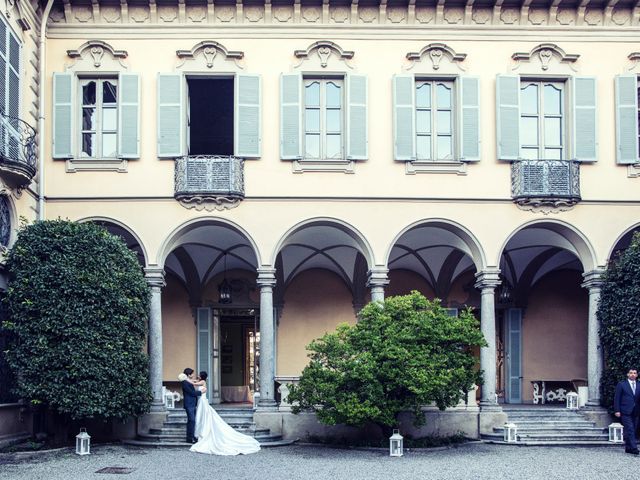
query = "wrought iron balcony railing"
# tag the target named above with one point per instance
(18, 153)
(209, 181)
(545, 182)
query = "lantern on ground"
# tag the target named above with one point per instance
(616, 431)
(83, 442)
(510, 432)
(395, 444)
(572, 401)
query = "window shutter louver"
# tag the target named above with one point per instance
(469, 131)
(626, 119)
(171, 118)
(291, 116)
(62, 115)
(129, 116)
(585, 142)
(247, 116)
(357, 134)
(508, 117)
(404, 115)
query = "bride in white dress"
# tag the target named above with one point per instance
(214, 435)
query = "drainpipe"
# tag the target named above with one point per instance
(42, 75)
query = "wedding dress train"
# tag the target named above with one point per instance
(216, 437)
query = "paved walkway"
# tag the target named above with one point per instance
(470, 461)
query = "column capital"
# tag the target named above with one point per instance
(266, 277)
(155, 276)
(377, 277)
(593, 279)
(488, 278)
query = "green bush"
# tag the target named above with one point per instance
(619, 316)
(77, 306)
(402, 354)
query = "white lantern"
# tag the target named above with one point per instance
(83, 442)
(572, 401)
(510, 432)
(616, 431)
(396, 444)
(169, 399)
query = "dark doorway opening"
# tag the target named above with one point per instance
(210, 116)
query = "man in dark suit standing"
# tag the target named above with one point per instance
(626, 405)
(190, 399)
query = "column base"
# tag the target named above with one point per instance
(267, 404)
(486, 406)
(490, 417)
(157, 407)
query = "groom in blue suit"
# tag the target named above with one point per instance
(626, 405)
(190, 395)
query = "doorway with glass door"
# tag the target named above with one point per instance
(229, 348)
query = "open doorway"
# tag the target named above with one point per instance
(239, 358)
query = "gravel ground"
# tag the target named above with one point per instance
(469, 461)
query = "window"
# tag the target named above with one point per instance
(546, 119)
(99, 118)
(208, 115)
(434, 120)
(627, 119)
(323, 121)
(323, 118)
(542, 120)
(9, 91)
(96, 120)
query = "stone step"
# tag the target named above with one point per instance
(547, 437)
(543, 428)
(183, 431)
(559, 423)
(180, 437)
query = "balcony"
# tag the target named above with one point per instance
(209, 182)
(17, 151)
(545, 185)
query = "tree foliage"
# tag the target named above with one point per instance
(77, 307)
(619, 316)
(402, 354)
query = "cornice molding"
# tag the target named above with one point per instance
(209, 50)
(436, 52)
(97, 49)
(324, 49)
(545, 53)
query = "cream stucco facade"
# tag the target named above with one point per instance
(311, 240)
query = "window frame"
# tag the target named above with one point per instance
(453, 135)
(322, 132)
(541, 117)
(79, 130)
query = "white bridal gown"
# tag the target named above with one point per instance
(216, 437)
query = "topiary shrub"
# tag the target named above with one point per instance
(619, 316)
(402, 354)
(77, 306)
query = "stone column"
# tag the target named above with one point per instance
(266, 281)
(377, 280)
(155, 279)
(593, 283)
(487, 281)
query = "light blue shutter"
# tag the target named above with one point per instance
(404, 117)
(171, 117)
(203, 316)
(627, 119)
(291, 125)
(62, 115)
(508, 117)
(357, 134)
(247, 126)
(129, 116)
(585, 141)
(514, 355)
(469, 131)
